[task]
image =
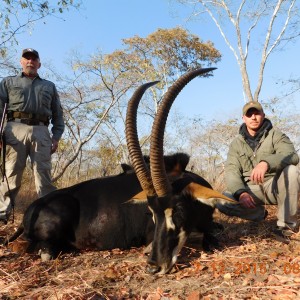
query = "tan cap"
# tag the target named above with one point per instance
(252, 104)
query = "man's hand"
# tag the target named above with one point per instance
(258, 173)
(246, 200)
(54, 145)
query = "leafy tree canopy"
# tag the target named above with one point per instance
(17, 16)
(166, 53)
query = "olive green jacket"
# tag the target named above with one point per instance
(274, 147)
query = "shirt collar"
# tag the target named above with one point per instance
(23, 75)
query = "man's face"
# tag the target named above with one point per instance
(30, 64)
(253, 119)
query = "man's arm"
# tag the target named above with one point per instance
(54, 145)
(3, 95)
(234, 179)
(234, 173)
(2, 124)
(57, 121)
(3, 108)
(284, 155)
(259, 171)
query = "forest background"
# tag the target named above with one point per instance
(99, 52)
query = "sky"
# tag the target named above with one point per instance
(102, 24)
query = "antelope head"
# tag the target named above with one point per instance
(172, 203)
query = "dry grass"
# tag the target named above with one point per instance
(251, 265)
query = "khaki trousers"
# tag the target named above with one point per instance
(23, 142)
(282, 191)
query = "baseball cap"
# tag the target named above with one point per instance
(252, 104)
(30, 50)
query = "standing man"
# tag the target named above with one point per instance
(32, 103)
(261, 169)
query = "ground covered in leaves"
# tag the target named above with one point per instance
(251, 265)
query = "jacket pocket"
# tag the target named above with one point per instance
(246, 162)
(16, 95)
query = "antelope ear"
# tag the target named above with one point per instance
(206, 195)
(141, 197)
(126, 168)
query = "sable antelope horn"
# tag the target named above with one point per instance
(158, 172)
(135, 152)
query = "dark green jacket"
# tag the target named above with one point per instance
(274, 147)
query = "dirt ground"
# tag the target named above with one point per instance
(251, 265)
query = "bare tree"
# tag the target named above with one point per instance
(294, 85)
(95, 98)
(87, 106)
(208, 143)
(274, 23)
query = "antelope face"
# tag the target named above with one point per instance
(171, 232)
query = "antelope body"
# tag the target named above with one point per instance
(102, 213)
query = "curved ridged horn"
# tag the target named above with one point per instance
(158, 172)
(135, 152)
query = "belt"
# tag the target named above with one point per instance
(30, 122)
(27, 118)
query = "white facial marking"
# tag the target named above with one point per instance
(152, 212)
(169, 221)
(182, 236)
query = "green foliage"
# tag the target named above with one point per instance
(164, 54)
(18, 15)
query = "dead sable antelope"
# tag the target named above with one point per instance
(95, 214)
(180, 204)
